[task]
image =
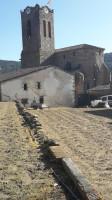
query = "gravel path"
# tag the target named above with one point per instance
(86, 135)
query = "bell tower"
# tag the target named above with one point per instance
(37, 36)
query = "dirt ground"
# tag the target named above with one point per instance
(25, 172)
(86, 135)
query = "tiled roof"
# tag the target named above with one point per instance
(100, 87)
(77, 47)
(21, 72)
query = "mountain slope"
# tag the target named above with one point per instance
(7, 66)
(108, 60)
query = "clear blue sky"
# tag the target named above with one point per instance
(76, 22)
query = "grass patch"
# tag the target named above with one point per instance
(17, 180)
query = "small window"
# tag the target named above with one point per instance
(25, 86)
(24, 101)
(38, 85)
(41, 100)
(63, 56)
(44, 28)
(74, 54)
(49, 29)
(28, 29)
(99, 52)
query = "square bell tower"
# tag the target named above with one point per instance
(37, 36)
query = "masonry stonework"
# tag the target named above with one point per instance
(37, 47)
(86, 59)
(39, 50)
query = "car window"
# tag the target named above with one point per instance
(104, 98)
(110, 98)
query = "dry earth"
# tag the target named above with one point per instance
(86, 135)
(25, 173)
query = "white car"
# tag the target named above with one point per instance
(107, 99)
(95, 103)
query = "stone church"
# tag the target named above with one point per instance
(85, 62)
(54, 77)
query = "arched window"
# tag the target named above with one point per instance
(28, 29)
(49, 29)
(44, 28)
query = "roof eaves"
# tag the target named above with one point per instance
(22, 72)
(18, 73)
(100, 87)
(72, 48)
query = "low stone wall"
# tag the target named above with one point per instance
(34, 124)
(85, 189)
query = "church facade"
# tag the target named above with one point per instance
(86, 62)
(38, 84)
(55, 77)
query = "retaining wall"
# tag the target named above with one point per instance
(83, 186)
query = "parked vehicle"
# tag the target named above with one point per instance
(95, 103)
(103, 102)
(107, 98)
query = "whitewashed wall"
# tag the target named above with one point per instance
(57, 88)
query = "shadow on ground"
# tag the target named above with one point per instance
(101, 112)
(60, 175)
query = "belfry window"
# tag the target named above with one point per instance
(49, 29)
(44, 28)
(28, 29)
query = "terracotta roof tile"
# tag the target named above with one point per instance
(20, 72)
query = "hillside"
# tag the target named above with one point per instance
(108, 60)
(7, 66)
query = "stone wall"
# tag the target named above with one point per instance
(79, 83)
(103, 75)
(56, 88)
(89, 61)
(47, 43)
(37, 48)
(111, 87)
(31, 45)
